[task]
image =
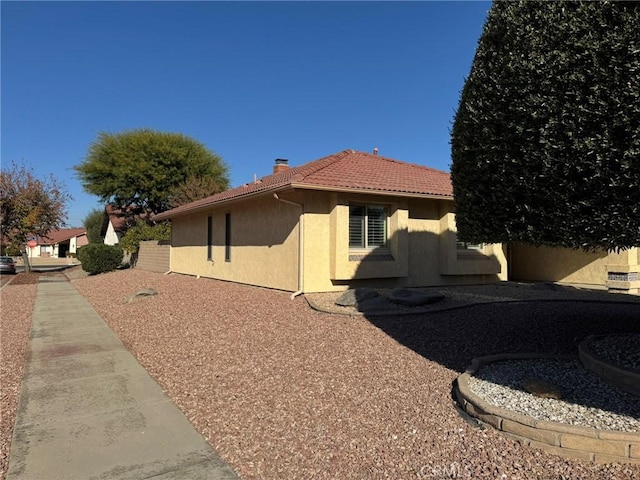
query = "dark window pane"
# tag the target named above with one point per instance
(356, 226)
(209, 238)
(227, 237)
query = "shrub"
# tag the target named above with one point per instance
(100, 258)
(142, 231)
(13, 250)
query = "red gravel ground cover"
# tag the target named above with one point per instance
(25, 278)
(284, 392)
(16, 302)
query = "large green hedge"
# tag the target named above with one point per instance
(100, 258)
(546, 139)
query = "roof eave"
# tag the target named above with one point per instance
(302, 186)
(208, 206)
(369, 191)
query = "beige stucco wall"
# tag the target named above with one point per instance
(265, 244)
(529, 263)
(462, 264)
(391, 262)
(421, 234)
(623, 271)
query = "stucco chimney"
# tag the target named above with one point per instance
(375, 150)
(281, 165)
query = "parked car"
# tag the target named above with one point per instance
(7, 265)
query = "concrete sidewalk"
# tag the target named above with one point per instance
(88, 410)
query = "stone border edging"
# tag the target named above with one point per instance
(569, 441)
(422, 310)
(624, 379)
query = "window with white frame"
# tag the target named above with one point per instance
(367, 226)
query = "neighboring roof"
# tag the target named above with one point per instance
(120, 219)
(345, 171)
(115, 216)
(58, 236)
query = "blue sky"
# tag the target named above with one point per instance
(252, 81)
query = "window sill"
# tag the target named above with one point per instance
(377, 255)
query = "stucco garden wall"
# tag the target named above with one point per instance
(154, 256)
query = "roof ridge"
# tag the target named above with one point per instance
(337, 171)
(300, 172)
(307, 169)
(408, 164)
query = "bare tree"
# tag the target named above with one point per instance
(30, 207)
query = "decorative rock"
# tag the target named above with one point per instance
(541, 388)
(373, 305)
(354, 296)
(145, 292)
(410, 298)
(544, 286)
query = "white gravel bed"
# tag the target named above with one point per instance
(284, 392)
(586, 401)
(620, 350)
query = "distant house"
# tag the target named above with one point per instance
(615, 271)
(59, 243)
(345, 220)
(115, 223)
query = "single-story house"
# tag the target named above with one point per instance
(615, 271)
(346, 220)
(59, 243)
(116, 222)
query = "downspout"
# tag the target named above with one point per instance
(300, 245)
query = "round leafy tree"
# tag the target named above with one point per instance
(546, 139)
(147, 169)
(93, 223)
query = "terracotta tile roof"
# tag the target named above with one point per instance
(57, 236)
(348, 170)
